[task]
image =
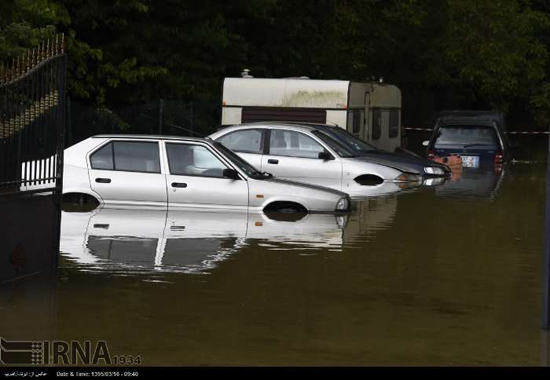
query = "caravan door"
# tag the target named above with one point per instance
(366, 120)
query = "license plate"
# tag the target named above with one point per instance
(470, 161)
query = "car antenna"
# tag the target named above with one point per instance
(178, 127)
(186, 130)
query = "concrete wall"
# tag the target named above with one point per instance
(29, 235)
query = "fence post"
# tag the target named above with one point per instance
(191, 116)
(161, 108)
(69, 123)
(546, 253)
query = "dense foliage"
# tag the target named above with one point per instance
(482, 53)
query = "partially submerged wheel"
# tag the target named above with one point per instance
(285, 208)
(289, 210)
(79, 202)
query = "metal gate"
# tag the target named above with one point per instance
(32, 120)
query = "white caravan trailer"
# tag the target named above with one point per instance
(371, 111)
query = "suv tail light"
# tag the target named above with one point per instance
(431, 154)
(498, 157)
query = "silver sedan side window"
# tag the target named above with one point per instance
(247, 141)
(193, 160)
(293, 144)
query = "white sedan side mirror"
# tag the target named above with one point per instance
(425, 143)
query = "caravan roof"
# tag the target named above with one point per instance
(285, 92)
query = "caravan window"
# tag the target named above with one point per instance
(356, 121)
(246, 141)
(376, 123)
(394, 122)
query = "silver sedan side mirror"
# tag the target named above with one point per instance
(425, 143)
(325, 156)
(231, 174)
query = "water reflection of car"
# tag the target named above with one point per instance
(370, 216)
(325, 155)
(476, 136)
(157, 171)
(187, 241)
(481, 182)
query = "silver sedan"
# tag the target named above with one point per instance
(177, 172)
(317, 155)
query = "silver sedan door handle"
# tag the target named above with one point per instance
(179, 184)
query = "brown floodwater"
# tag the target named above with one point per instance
(447, 275)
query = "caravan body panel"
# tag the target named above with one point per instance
(371, 111)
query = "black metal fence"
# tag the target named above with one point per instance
(32, 120)
(164, 117)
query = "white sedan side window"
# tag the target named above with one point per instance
(194, 160)
(132, 156)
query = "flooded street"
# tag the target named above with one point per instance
(447, 275)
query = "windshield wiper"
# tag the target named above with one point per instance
(475, 144)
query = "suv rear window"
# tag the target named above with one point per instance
(466, 136)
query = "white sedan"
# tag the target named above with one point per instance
(175, 172)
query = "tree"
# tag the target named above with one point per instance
(24, 24)
(493, 48)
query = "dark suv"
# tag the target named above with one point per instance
(476, 136)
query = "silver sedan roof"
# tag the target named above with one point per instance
(157, 137)
(278, 124)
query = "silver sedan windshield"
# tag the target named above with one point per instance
(338, 147)
(250, 170)
(350, 140)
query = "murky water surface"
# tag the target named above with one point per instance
(446, 275)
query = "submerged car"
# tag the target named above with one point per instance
(325, 155)
(172, 172)
(476, 136)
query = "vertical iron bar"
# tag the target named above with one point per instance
(28, 121)
(161, 109)
(546, 254)
(53, 128)
(5, 133)
(3, 120)
(191, 117)
(52, 119)
(69, 123)
(17, 133)
(36, 118)
(61, 87)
